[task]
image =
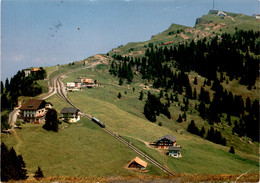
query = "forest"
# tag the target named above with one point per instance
(19, 85)
(219, 59)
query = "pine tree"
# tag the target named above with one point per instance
(184, 116)
(38, 174)
(202, 132)
(232, 150)
(161, 94)
(141, 95)
(179, 119)
(51, 121)
(119, 95)
(121, 81)
(2, 87)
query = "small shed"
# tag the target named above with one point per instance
(221, 13)
(138, 164)
(175, 151)
(166, 141)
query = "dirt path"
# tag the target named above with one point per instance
(19, 141)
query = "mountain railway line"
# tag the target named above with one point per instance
(62, 95)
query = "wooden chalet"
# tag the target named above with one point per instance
(72, 114)
(34, 110)
(138, 164)
(166, 141)
(175, 151)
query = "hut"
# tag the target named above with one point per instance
(138, 164)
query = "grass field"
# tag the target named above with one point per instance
(83, 149)
(125, 117)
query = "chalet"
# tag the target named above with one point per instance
(166, 141)
(175, 151)
(72, 114)
(34, 110)
(29, 71)
(138, 164)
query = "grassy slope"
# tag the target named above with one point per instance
(82, 149)
(125, 117)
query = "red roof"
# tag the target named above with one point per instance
(33, 105)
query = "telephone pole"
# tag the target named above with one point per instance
(213, 4)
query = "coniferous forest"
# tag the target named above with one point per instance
(19, 85)
(220, 59)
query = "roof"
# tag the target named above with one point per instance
(35, 69)
(139, 161)
(33, 105)
(48, 103)
(169, 137)
(174, 148)
(69, 110)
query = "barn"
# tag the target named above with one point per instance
(166, 141)
(137, 163)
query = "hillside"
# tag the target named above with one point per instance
(74, 149)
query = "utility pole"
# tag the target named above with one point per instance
(213, 4)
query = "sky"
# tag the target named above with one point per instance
(38, 33)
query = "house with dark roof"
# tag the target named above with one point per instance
(34, 110)
(70, 113)
(175, 151)
(166, 141)
(137, 163)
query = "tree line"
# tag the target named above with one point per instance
(153, 107)
(232, 105)
(12, 165)
(212, 134)
(19, 85)
(233, 55)
(226, 53)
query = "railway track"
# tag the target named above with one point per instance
(139, 152)
(63, 96)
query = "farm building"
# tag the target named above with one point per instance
(256, 16)
(175, 151)
(166, 141)
(221, 13)
(72, 86)
(29, 71)
(34, 110)
(137, 163)
(88, 82)
(72, 114)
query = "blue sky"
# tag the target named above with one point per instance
(51, 32)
